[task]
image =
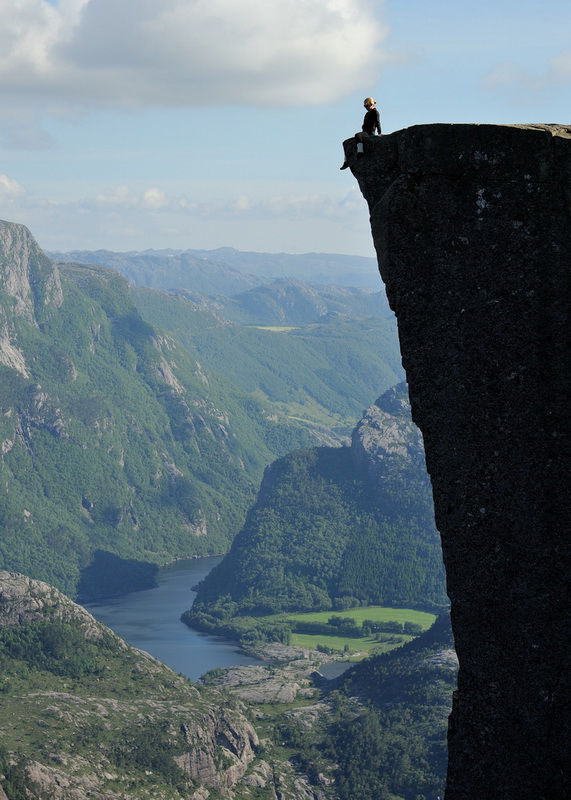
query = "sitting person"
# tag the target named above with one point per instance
(371, 124)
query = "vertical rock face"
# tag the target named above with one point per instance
(26, 274)
(472, 226)
(29, 282)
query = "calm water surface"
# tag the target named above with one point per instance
(150, 620)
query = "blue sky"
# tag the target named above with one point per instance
(129, 124)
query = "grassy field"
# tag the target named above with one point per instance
(365, 645)
(375, 613)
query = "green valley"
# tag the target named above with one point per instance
(320, 374)
(135, 424)
(111, 442)
(378, 732)
(375, 629)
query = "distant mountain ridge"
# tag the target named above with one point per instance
(227, 271)
(295, 302)
(170, 270)
(326, 268)
(122, 446)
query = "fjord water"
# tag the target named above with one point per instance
(150, 620)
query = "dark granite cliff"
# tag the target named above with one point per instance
(472, 226)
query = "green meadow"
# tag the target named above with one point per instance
(349, 644)
(364, 646)
(374, 613)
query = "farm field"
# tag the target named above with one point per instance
(346, 644)
(365, 645)
(361, 613)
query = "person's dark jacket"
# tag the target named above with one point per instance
(372, 122)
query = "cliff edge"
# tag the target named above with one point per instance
(472, 227)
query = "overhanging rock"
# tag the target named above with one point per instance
(472, 227)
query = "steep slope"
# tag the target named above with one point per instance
(473, 233)
(84, 715)
(336, 526)
(113, 444)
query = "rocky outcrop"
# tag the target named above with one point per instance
(26, 274)
(219, 749)
(271, 683)
(10, 355)
(387, 442)
(100, 716)
(24, 600)
(472, 226)
(31, 283)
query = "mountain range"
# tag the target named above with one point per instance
(125, 444)
(228, 271)
(287, 301)
(135, 424)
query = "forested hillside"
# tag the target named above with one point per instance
(113, 439)
(335, 527)
(320, 376)
(387, 734)
(123, 446)
(293, 302)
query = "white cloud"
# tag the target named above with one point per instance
(154, 198)
(242, 203)
(9, 188)
(181, 53)
(509, 75)
(144, 203)
(127, 217)
(290, 206)
(150, 199)
(120, 196)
